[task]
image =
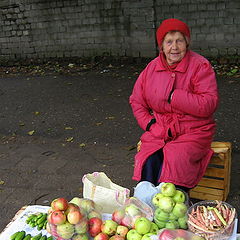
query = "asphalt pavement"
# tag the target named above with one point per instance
(57, 126)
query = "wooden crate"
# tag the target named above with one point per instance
(215, 184)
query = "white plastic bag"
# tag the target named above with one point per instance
(99, 188)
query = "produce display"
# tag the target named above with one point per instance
(212, 219)
(169, 218)
(170, 207)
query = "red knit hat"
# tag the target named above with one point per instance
(171, 24)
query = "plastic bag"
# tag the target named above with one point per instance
(172, 234)
(99, 188)
(132, 209)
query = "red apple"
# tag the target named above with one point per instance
(74, 217)
(122, 230)
(58, 217)
(127, 221)
(118, 215)
(94, 226)
(116, 237)
(101, 236)
(72, 207)
(59, 204)
(83, 236)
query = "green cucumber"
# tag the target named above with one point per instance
(50, 238)
(27, 237)
(42, 219)
(37, 237)
(13, 236)
(20, 235)
(43, 237)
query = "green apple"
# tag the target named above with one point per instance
(166, 204)
(154, 228)
(160, 215)
(179, 210)
(171, 224)
(133, 235)
(132, 210)
(65, 230)
(143, 225)
(156, 198)
(179, 197)
(160, 224)
(182, 221)
(109, 227)
(168, 189)
(172, 216)
(147, 236)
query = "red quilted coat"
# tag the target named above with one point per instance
(189, 116)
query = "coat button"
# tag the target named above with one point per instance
(173, 75)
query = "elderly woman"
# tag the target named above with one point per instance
(173, 101)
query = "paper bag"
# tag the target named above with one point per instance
(108, 195)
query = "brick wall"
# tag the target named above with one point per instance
(84, 28)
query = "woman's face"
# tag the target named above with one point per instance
(174, 47)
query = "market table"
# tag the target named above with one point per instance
(18, 223)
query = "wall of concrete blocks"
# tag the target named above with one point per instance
(40, 29)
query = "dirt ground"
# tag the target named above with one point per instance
(61, 121)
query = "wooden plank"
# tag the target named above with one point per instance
(215, 172)
(212, 183)
(213, 191)
(217, 160)
(206, 196)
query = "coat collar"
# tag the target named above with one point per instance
(181, 67)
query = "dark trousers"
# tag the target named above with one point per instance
(152, 169)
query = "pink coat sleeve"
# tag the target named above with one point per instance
(140, 108)
(203, 100)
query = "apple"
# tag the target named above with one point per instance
(116, 237)
(182, 221)
(171, 225)
(172, 216)
(154, 228)
(155, 199)
(74, 217)
(82, 226)
(94, 213)
(83, 236)
(132, 210)
(127, 221)
(179, 210)
(86, 204)
(133, 235)
(94, 225)
(179, 197)
(160, 224)
(166, 204)
(58, 217)
(109, 227)
(143, 225)
(118, 215)
(65, 230)
(160, 215)
(147, 236)
(59, 204)
(122, 230)
(166, 234)
(72, 207)
(168, 189)
(101, 236)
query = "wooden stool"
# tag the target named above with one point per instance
(215, 184)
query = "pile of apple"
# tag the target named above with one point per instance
(111, 230)
(70, 220)
(170, 208)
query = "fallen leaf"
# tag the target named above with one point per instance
(21, 124)
(68, 128)
(110, 118)
(1, 182)
(37, 113)
(31, 132)
(82, 145)
(99, 123)
(69, 139)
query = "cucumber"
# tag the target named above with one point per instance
(13, 236)
(43, 237)
(27, 237)
(37, 237)
(20, 235)
(42, 219)
(50, 238)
